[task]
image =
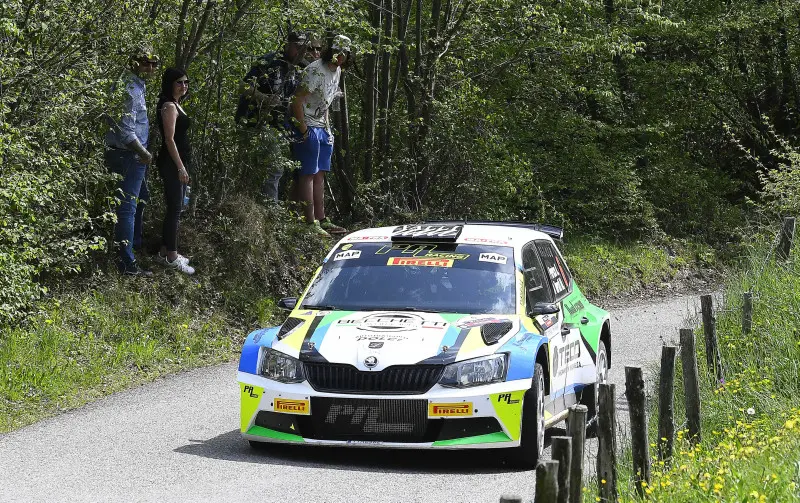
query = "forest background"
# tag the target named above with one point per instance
(654, 132)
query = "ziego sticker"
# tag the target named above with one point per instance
(494, 258)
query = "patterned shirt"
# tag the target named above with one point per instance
(271, 75)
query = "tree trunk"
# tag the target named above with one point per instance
(383, 94)
(344, 157)
(181, 29)
(371, 75)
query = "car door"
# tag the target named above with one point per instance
(569, 354)
(538, 289)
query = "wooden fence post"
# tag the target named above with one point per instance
(510, 499)
(637, 410)
(666, 403)
(747, 312)
(577, 431)
(713, 357)
(546, 481)
(607, 444)
(691, 384)
(787, 237)
(561, 451)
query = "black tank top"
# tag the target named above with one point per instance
(182, 125)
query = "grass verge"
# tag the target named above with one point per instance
(751, 421)
(604, 269)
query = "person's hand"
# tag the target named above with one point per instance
(145, 158)
(183, 175)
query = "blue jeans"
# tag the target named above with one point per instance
(132, 195)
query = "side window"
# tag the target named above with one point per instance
(556, 272)
(535, 279)
(562, 266)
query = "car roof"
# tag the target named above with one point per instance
(486, 233)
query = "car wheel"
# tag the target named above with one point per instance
(590, 394)
(532, 440)
(259, 446)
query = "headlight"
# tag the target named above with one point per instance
(282, 368)
(475, 372)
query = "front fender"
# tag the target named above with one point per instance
(248, 361)
(522, 350)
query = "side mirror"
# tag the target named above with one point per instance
(541, 308)
(287, 303)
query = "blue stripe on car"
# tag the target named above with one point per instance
(248, 361)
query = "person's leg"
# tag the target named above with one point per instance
(141, 202)
(319, 196)
(128, 192)
(306, 191)
(274, 159)
(308, 155)
(173, 196)
(324, 164)
(325, 155)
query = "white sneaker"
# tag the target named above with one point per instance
(180, 258)
(180, 265)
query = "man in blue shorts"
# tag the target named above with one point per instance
(320, 86)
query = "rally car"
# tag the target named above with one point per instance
(448, 335)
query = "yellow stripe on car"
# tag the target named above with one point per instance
(251, 396)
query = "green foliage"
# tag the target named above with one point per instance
(604, 269)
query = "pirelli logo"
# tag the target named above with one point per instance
(287, 406)
(450, 409)
(421, 261)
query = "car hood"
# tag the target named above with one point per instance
(374, 340)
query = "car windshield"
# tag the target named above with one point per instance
(454, 278)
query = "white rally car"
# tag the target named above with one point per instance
(436, 336)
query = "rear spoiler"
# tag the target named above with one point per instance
(551, 230)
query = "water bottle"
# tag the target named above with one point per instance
(186, 195)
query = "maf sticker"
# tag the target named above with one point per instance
(288, 406)
(494, 258)
(450, 409)
(347, 255)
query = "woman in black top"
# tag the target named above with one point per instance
(173, 159)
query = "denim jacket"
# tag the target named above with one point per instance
(133, 123)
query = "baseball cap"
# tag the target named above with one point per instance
(297, 37)
(341, 43)
(145, 53)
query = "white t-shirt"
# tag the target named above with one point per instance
(322, 84)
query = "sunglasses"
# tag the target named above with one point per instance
(314, 49)
(182, 82)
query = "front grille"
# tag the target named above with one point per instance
(368, 420)
(398, 379)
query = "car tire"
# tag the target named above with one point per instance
(258, 446)
(589, 395)
(531, 447)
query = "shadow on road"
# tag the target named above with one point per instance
(231, 447)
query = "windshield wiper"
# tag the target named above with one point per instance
(412, 308)
(319, 307)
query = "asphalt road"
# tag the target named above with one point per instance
(177, 440)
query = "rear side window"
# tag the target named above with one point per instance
(555, 269)
(535, 279)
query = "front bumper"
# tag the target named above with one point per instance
(447, 418)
